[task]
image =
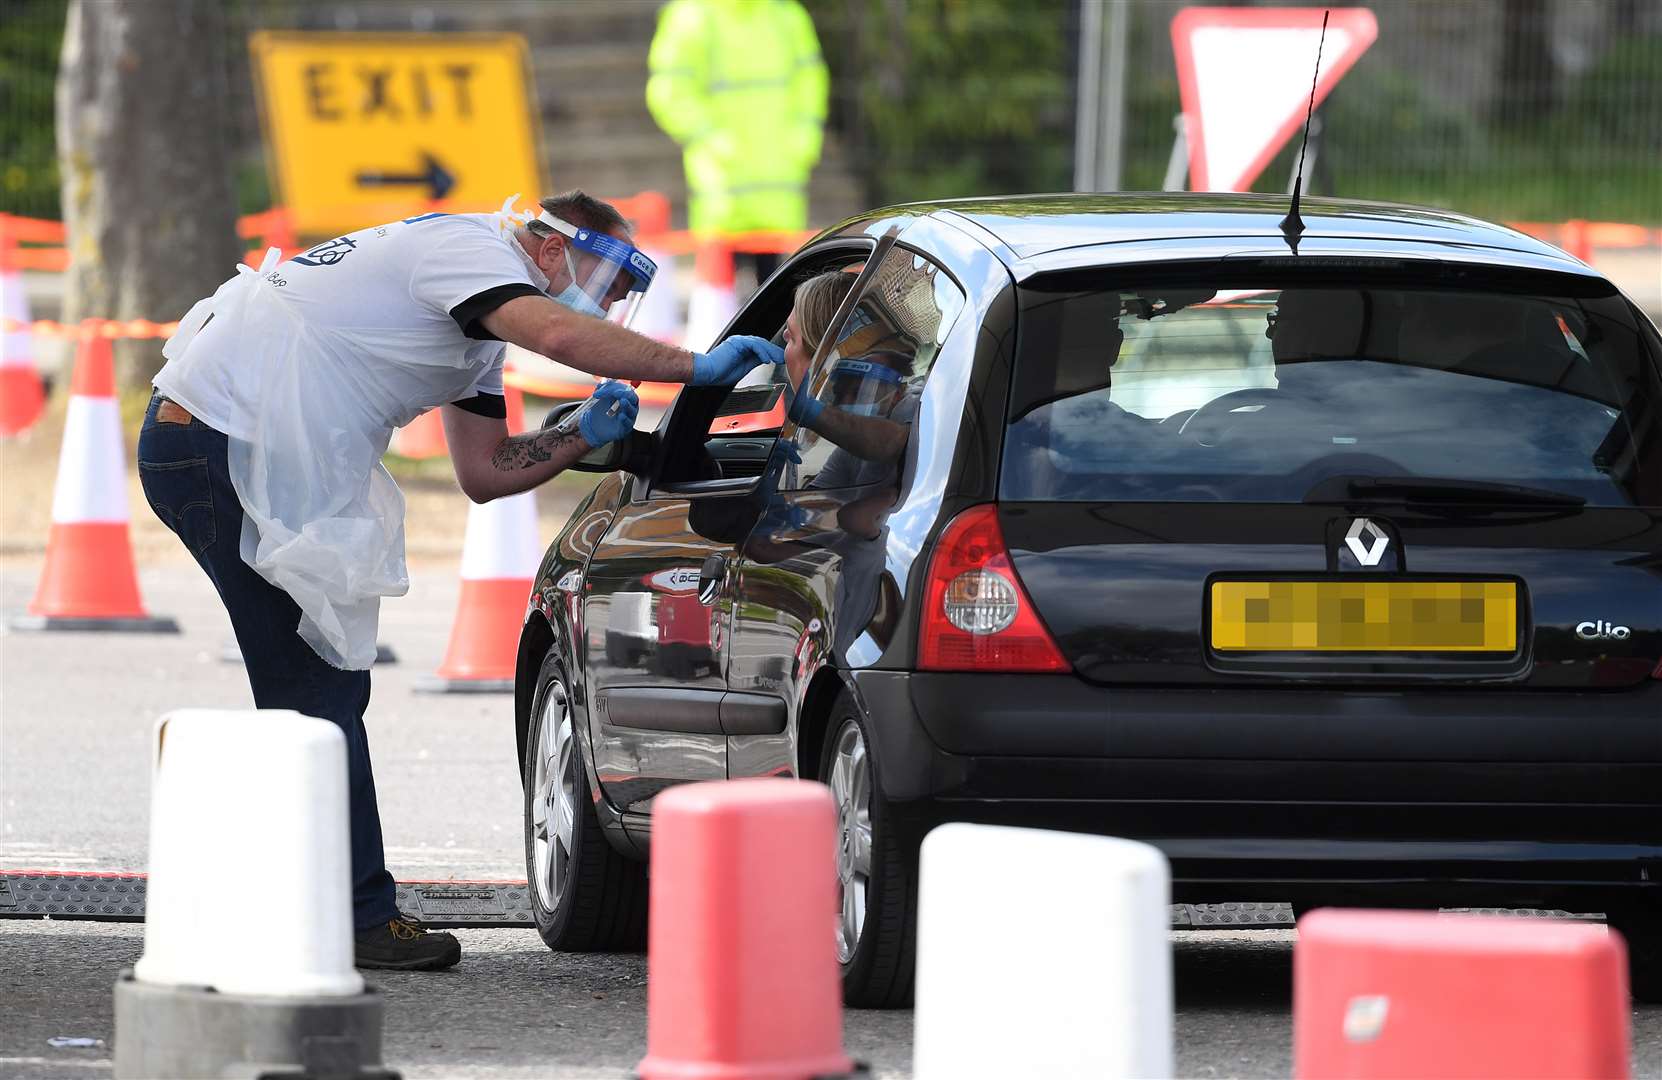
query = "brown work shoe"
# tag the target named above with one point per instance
(404, 945)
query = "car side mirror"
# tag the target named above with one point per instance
(632, 452)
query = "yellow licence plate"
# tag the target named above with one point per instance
(1365, 616)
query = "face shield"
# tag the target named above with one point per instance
(869, 386)
(608, 276)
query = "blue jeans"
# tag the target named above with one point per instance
(188, 484)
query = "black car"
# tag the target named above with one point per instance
(1331, 567)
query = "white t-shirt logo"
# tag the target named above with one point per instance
(328, 253)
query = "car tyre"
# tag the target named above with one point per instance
(1642, 930)
(584, 895)
(876, 873)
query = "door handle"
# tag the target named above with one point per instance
(710, 578)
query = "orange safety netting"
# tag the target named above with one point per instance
(649, 211)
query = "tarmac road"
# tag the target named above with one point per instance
(76, 712)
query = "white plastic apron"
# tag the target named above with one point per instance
(323, 519)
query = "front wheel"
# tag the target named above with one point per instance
(585, 896)
(876, 875)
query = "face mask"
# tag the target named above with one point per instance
(578, 300)
(869, 408)
(573, 297)
(532, 270)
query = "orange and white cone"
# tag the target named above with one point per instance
(89, 582)
(22, 393)
(713, 302)
(660, 315)
(500, 556)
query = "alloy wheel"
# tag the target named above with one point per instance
(850, 782)
(554, 798)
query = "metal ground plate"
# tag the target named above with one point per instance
(442, 905)
(46, 894)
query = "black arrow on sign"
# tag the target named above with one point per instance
(435, 177)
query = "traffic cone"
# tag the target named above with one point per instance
(89, 582)
(22, 394)
(660, 316)
(1577, 240)
(500, 556)
(713, 302)
(421, 438)
(741, 959)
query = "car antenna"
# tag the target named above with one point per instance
(1292, 226)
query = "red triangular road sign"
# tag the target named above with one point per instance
(1245, 74)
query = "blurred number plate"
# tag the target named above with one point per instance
(1365, 616)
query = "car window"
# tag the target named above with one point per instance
(716, 433)
(867, 388)
(1263, 393)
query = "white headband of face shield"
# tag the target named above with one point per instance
(618, 275)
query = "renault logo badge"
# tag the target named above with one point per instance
(1367, 542)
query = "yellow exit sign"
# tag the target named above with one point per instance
(364, 128)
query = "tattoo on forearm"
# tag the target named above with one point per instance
(532, 448)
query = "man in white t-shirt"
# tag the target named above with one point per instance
(262, 447)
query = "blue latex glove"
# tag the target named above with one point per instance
(610, 413)
(784, 517)
(803, 409)
(733, 359)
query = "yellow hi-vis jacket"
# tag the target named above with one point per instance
(741, 85)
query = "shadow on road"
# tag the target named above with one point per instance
(1246, 970)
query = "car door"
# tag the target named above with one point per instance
(813, 583)
(657, 593)
(655, 612)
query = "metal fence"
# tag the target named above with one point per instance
(31, 32)
(1510, 109)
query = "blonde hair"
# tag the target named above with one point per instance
(816, 305)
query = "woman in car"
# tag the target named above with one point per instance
(862, 403)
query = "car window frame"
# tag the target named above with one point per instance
(687, 421)
(940, 267)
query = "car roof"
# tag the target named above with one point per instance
(1029, 227)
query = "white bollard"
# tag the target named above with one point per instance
(1041, 954)
(244, 803)
(240, 800)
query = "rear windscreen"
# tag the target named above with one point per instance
(1262, 392)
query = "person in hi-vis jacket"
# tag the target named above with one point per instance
(262, 446)
(741, 85)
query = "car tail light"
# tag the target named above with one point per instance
(1656, 673)
(976, 615)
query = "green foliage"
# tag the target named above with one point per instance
(1390, 135)
(31, 33)
(1616, 102)
(1594, 156)
(946, 98)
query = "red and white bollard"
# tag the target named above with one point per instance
(1407, 995)
(742, 959)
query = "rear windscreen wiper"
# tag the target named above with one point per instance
(1428, 489)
